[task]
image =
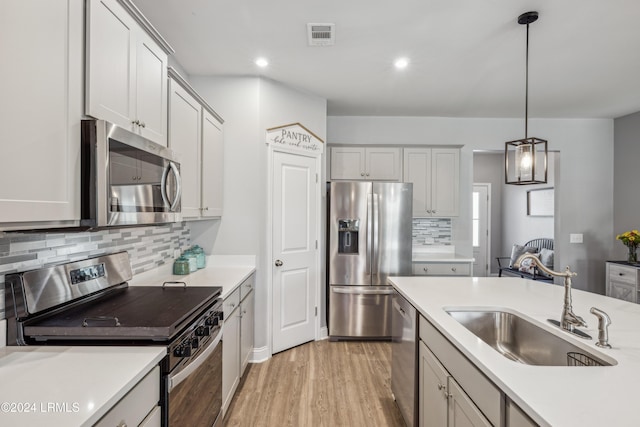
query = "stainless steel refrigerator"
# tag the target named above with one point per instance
(369, 239)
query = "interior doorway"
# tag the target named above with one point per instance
(481, 230)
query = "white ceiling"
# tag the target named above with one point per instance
(467, 57)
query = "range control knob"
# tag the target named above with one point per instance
(182, 351)
(194, 342)
(202, 331)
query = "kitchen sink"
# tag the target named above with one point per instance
(520, 340)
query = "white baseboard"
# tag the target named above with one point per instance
(260, 355)
(324, 333)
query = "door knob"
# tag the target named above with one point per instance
(278, 263)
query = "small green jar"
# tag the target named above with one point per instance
(201, 259)
(192, 258)
(181, 266)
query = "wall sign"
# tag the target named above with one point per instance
(295, 137)
(540, 202)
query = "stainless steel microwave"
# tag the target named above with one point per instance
(126, 179)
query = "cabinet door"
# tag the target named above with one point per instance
(445, 182)
(246, 331)
(383, 163)
(417, 170)
(110, 60)
(151, 89)
(212, 165)
(184, 139)
(41, 107)
(462, 411)
(348, 163)
(230, 357)
(432, 383)
(622, 291)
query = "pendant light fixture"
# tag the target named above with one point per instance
(525, 160)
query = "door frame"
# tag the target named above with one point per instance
(488, 186)
(269, 243)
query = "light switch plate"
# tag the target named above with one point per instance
(575, 238)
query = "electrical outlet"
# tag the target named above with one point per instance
(575, 238)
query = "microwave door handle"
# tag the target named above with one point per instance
(165, 196)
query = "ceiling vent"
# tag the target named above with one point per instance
(321, 34)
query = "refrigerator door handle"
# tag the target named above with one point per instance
(347, 290)
(369, 253)
(375, 255)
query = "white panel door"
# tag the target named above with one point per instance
(383, 164)
(294, 250)
(432, 395)
(347, 163)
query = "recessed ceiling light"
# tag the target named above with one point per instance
(262, 62)
(401, 63)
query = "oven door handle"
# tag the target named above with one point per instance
(176, 379)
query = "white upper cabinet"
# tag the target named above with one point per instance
(196, 135)
(185, 135)
(212, 165)
(435, 174)
(126, 69)
(366, 163)
(41, 109)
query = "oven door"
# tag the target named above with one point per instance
(195, 393)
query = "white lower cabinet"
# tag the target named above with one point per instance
(442, 269)
(452, 391)
(623, 281)
(516, 416)
(442, 400)
(237, 337)
(230, 348)
(139, 406)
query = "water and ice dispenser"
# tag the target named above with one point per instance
(348, 230)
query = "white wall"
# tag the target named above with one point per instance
(626, 178)
(585, 204)
(249, 106)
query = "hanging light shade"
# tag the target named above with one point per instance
(525, 160)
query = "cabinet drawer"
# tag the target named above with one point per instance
(246, 287)
(621, 290)
(231, 303)
(624, 274)
(133, 408)
(441, 269)
(481, 390)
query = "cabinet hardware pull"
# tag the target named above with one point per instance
(361, 173)
(453, 269)
(143, 124)
(232, 304)
(425, 269)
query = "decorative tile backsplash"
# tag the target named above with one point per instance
(148, 247)
(432, 231)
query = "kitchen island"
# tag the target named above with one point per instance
(549, 395)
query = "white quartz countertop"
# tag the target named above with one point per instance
(551, 395)
(228, 274)
(68, 386)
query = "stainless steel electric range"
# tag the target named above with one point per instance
(89, 302)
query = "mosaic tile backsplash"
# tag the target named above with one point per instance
(148, 248)
(432, 231)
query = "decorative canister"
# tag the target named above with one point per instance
(200, 256)
(181, 266)
(193, 260)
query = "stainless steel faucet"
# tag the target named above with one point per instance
(603, 324)
(569, 320)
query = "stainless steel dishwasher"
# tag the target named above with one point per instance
(404, 386)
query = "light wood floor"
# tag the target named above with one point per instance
(320, 383)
